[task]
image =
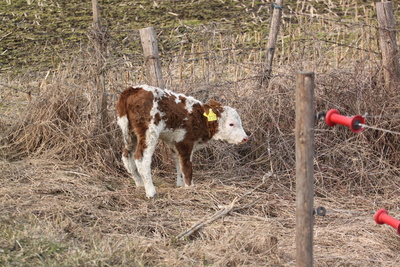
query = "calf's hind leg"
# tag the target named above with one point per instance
(130, 165)
(130, 143)
(143, 154)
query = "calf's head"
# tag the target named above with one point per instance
(229, 124)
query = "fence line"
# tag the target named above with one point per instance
(171, 55)
(41, 37)
(242, 53)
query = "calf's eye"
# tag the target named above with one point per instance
(231, 124)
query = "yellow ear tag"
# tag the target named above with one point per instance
(211, 115)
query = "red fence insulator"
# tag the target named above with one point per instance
(381, 217)
(333, 117)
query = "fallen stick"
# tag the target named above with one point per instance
(224, 211)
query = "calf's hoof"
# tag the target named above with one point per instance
(151, 193)
(180, 184)
(154, 197)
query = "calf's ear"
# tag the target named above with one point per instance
(213, 110)
(216, 107)
(206, 108)
(209, 113)
(215, 104)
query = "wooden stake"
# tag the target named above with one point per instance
(101, 51)
(151, 56)
(387, 40)
(304, 133)
(273, 36)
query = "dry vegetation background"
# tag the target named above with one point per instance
(66, 199)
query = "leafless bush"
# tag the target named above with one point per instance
(58, 124)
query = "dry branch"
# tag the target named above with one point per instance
(224, 211)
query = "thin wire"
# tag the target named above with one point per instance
(381, 116)
(379, 129)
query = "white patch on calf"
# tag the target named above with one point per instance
(190, 101)
(123, 124)
(170, 136)
(154, 110)
(153, 132)
(157, 92)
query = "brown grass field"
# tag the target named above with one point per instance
(66, 199)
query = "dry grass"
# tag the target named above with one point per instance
(66, 199)
(55, 212)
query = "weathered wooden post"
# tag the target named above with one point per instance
(102, 121)
(304, 133)
(273, 36)
(151, 57)
(96, 15)
(387, 40)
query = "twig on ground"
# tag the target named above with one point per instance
(224, 211)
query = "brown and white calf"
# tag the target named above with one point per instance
(146, 114)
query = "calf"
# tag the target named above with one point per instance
(146, 114)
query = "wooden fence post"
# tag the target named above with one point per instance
(304, 133)
(102, 121)
(273, 36)
(387, 40)
(151, 57)
(96, 15)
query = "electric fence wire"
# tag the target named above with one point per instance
(378, 129)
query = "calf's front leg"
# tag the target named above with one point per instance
(185, 160)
